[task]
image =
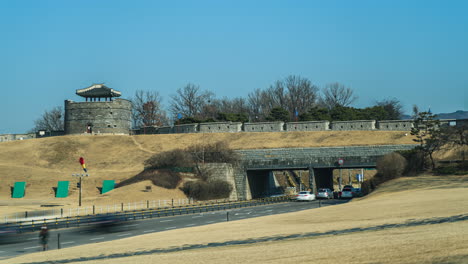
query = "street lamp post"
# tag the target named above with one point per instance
(79, 184)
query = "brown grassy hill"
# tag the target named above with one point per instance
(415, 220)
(43, 162)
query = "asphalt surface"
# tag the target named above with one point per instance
(70, 237)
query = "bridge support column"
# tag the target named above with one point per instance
(312, 183)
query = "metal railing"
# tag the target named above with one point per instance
(136, 214)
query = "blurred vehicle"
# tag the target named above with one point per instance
(347, 193)
(357, 192)
(9, 236)
(324, 193)
(106, 224)
(305, 196)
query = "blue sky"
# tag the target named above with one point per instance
(415, 51)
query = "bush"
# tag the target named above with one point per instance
(217, 152)
(201, 190)
(415, 161)
(391, 166)
(169, 159)
(370, 185)
(162, 178)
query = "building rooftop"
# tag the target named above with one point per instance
(98, 91)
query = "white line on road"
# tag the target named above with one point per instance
(96, 238)
(69, 242)
(147, 231)
(126, 234)
(190, 225)
(132, 225)
(172, 227)
(165, 221)
(196, 216)
(2, 251)
(209, 222)
(32, 247)
(34, 238)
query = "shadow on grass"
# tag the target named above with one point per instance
(429, 221)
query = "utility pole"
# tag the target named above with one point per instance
(79, 184)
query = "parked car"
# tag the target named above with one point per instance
(357, 192)
(305, 196)
(347, 193)
(325, 193)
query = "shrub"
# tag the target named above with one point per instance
(391, 166)
(201, 190)
(169, 159)
(217, 152)
(415, 161)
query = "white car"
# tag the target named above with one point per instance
(324, 193)
(347, 193)
(305, 196)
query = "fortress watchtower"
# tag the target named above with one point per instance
(100, 113)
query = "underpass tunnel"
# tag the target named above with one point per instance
(262, 183)
(323, 178)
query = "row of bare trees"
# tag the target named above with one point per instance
(294, 95)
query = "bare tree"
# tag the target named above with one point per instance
(258, 105)
(147, 109)
(190, 101)
(393, 108)
(302, 94)
(336, 94)
(51, 120)
(294, 93)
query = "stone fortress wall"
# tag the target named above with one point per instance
(232, 127)
(107, 117)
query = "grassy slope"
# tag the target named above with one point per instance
(43, 162)
(396, 202)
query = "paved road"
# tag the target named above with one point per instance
(80, 236)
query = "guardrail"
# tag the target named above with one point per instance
(77, 221)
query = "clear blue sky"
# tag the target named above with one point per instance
(415, 51)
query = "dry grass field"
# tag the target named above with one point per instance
(408, 220)
(424, 211)
(43, 162)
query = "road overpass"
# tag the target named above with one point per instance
(254, 169)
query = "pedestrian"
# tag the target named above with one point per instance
(44, 237)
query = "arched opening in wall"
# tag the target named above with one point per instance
(89, 128)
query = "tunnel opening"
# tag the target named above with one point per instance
(262, 184)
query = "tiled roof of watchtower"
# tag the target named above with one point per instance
(98, 90)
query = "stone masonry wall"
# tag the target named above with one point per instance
(104, 117)
(186, 128)
(308, 126)
(264, 127)
(395, 125)
(223, 171)
(221, 127)
(353, 125)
